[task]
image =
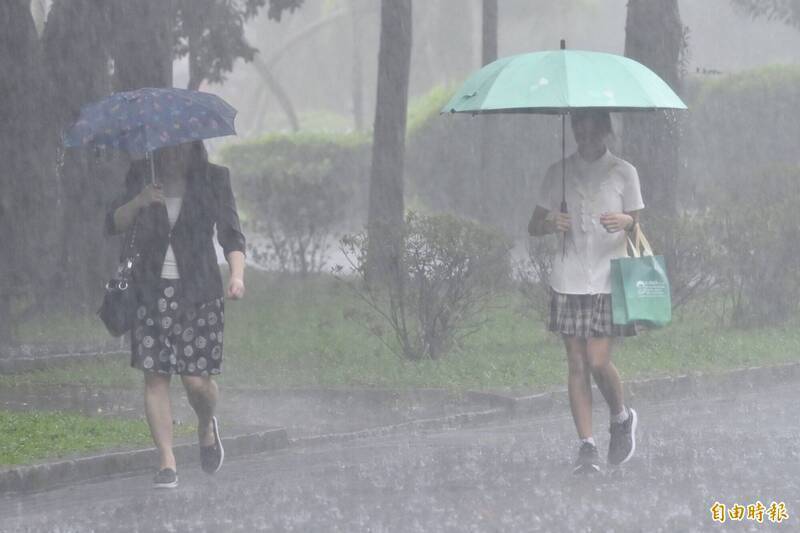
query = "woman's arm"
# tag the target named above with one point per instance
(544, 222)
(125, 214)
(229, 233)
(614, 222)
(236, 281)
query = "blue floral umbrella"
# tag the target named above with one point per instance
(144, 120)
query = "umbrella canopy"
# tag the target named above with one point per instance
(144, 120)
(557, 81)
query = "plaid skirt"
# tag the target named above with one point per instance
(585, 315)
(173, 337)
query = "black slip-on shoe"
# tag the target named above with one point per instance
(622, 445)
(211, 457)
(166, 478)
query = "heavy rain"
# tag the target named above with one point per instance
(399, 265)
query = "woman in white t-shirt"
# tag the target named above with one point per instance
(604, 198)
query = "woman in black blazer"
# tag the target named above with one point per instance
(180, 316)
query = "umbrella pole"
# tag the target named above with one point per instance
(152, 168)
(563, 170)
(563, 181)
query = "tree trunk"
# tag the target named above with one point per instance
(26, 192)
(143, 43)
(193, 20)
(77, 56)
(489, 186)
(489, 31)
(654, 37)
(357, 80)
(385, 218)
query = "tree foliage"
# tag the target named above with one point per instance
(786, 11)
(211, 33)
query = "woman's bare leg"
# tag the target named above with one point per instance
(203, 394)
(158, 410)
(579, 386)
(598, 353)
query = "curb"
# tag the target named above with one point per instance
(51, 475)
(438, 423)
(44, 476)
(19, 365)
(669, 387)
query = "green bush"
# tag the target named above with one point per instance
(758, 229)
(296, 191)
(297, 213)
(533, 273)
(343, 158)
(451, 269)
(738, 125)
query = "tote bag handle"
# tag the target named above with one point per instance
(640, 246)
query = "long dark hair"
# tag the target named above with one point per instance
(197, 165)
(198, 160)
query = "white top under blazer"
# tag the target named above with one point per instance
(170, 268)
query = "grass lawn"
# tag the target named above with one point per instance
(289, 332)
(63, 328)
(29, 436)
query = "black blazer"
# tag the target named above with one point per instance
(207, 202)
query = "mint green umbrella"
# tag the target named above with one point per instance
(560, 81)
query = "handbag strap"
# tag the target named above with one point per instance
(639, 245)
(130, 255)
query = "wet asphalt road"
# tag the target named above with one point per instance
(512, 476)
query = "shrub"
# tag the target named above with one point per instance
(451, 267)
(760, 241)
(341, 158)
(738, 125)
(298, 214)
(297, 191)
(533, 273)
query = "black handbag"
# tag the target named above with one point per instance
(118, 310)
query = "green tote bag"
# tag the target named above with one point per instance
(639, 286)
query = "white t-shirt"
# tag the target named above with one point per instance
(606, 185)
(170, 268)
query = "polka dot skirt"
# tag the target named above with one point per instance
(171, 337)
